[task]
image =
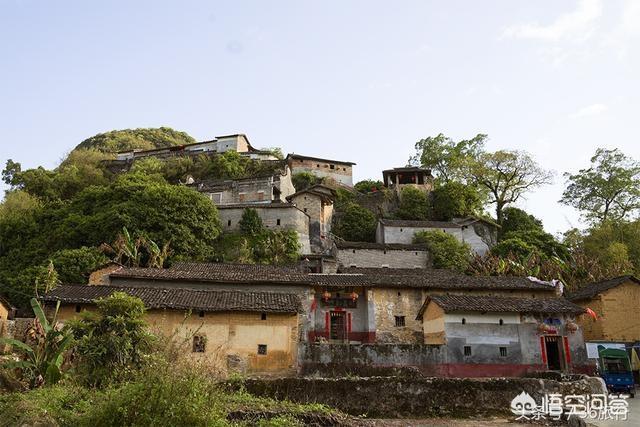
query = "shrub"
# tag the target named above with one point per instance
(357, 224)
(251, 223)
(455, 200)
(369, 186)
(75, 265)
(302, 180)
(446, 251)
(413, 204)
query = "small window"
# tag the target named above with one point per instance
(354, 251)
(416, 253)
(467, 350)
(503, 351)
(401, 230)
(262, 349)
(332, 167)
(399, 294)
(78, 308)
(305, 210)
(278, 221)
(501, 322)
(263, 316)
(317, 165)
(399, 321)
(464, 321)
(384, 252)
(229, 223)
(201, 314)
(344, 169)
(199, 343)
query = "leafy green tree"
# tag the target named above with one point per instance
(112, 340)
(455, 200)
(515, 219)
(275, 151)
(448, 160)
(446, 251)
(514, 246)
(251, 223)
(413, 204)
(608, 189)
(507, 176)
(143, 138)
(42, 358)
(356, 224)
(75, 265)
(369, 186)
(277, 247)
(302, 180)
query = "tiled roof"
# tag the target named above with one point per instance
(300, 156)
(380, 246)
(593, 289)
(217, 273)
(418, 224)
(426, 279)
(276, 205)
(322, 191)
(182, 299)
(408, 169)
(458, 303)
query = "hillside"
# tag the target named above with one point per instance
(143, 138)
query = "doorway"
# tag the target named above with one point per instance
(338, 325)
(553, 352)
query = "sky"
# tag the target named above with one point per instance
(353, 80)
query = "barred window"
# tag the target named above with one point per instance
(503, 351)
(262, 349)
(199, 343)
(467, 350)
(400, 321)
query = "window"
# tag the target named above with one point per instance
(241, 197)
(278, 221)
(262, 349)
(401, 230)
(229, 223)
(201, 314)
(384, 252)
(263, 316)
(467, 350)
(464, 321)
(317, 165)
(399, 321)
(399, 294)
(503, 351)
(305, 210)
(354, 251)
(199, 343)
(78, 308)
(332, 167)
(501, 322)
(216, 197)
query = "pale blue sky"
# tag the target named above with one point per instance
(353, 80)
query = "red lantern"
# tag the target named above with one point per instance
(354, 296)
(326, 295)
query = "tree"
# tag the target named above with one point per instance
(356, 224)
(507, 176)
(42, 360)
(277, 247)
(516, 219)
(302, 180)
(448, 159)
(369, 186)
(455, 200)
(142, 138)
(608, 189)
(446, 251)
(111, 340)
(514, 246)
(251, 223)
(413, 204)
(75, 265)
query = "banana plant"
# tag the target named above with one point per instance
(41, 362)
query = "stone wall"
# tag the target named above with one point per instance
(376, 258)
(467, 234)
(320, 217)
(339, 172)
(417, 396)
(274, 216)
(392, 303)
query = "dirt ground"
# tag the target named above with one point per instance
(445, 422)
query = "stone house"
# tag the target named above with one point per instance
(381, 255)
(6, 310)
(410, 176)
(237, 142)
(498, 335)
(616, 303)
(249, 332)
(317, 202)
(275, 216)
(261, 189)
(480, 234)
(336, 170)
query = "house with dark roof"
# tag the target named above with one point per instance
(339, 171)
(504, 336)
(317, 202)
(408, 176)
(479, 234)
(616, 303)
(381, 255)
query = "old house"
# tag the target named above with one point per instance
(236, 142)
(616, 303)
(270, 188)
(275, 216)
(500, 336)
(480, 234)
(411, 176)
(317, 202)
(6, 310)
(381, 255)
(336, 170)
(230, 330)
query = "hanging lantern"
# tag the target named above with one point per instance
(354, 296)
(326, 295)
(572, 327)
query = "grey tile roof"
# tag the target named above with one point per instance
(217, 273)
(300, 156)
(465, 303)
(182, 299)
(380, 246)
(592, 289)
(418, 224)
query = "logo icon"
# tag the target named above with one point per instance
(523, 405)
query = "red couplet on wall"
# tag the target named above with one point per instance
(567, 353)
(544, 351)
